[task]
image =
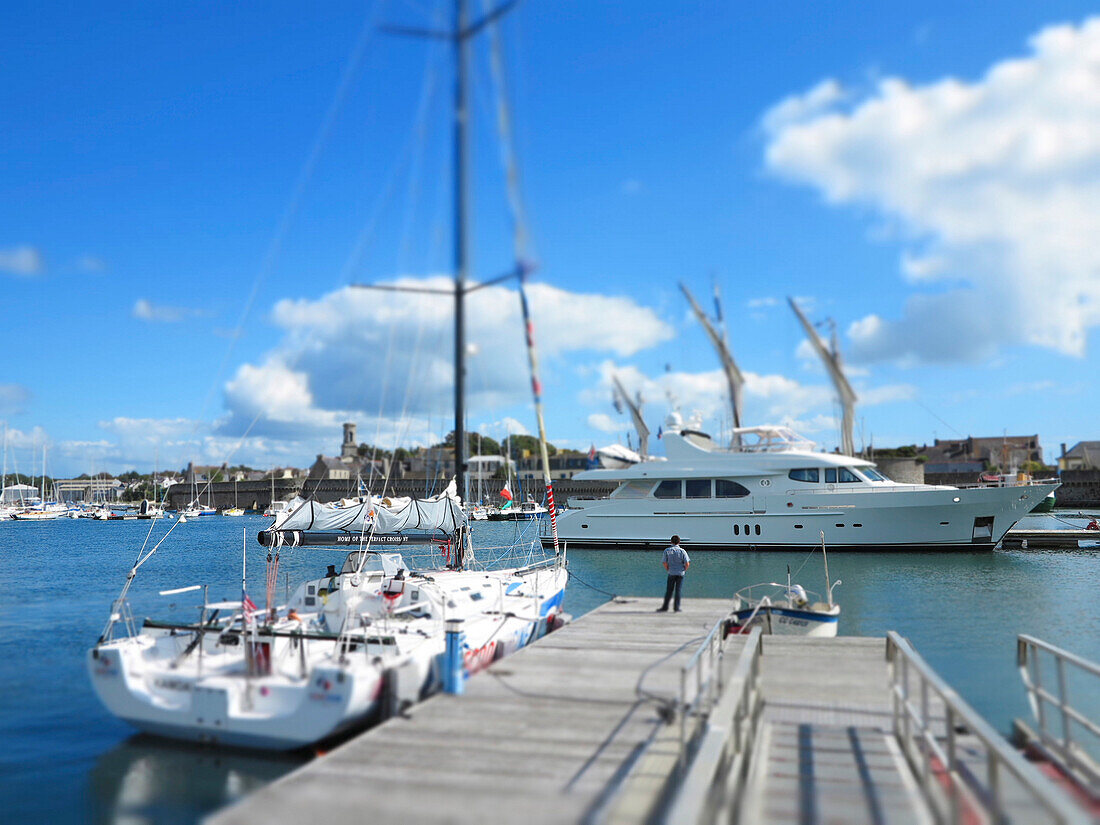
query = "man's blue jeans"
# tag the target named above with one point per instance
(673, 587)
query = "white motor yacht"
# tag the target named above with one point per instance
(775, 491)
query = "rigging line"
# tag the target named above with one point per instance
(420, 160)
(427, 97)
(923, 407)
(302, 181)
(304, 177)
(383, 199)
(615, 597)
(366, 234)
(521, 235)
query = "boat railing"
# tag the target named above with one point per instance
(1068, 736)
(930, 718)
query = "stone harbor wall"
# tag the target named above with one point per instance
(256, 495)
(1080, 488)
(901, 470)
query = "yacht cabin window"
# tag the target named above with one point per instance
(807, 474)
(830, 475)
(669, 488)
(872, 473)
(697, 488)
(847, 476)
(724, 488)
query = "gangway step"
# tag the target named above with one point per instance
(810, 773)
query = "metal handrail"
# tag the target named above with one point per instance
(1063, 747)
(706, 691)
(932, 750)
(714, 780)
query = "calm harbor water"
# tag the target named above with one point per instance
(66, 760)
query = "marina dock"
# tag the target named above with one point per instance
(1019, 537)
(629, 716)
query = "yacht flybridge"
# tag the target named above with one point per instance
(777, 492)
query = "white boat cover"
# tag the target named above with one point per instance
(442, 512)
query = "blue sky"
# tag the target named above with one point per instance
(922, 175)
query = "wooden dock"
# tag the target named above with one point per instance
(587, 725)
(541, 737)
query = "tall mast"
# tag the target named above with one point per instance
(635, 407)
(461, 201)
(830, 357)
(734, 378)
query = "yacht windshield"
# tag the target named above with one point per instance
(872, 474)
(669, 489)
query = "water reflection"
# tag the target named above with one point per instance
(150, 780)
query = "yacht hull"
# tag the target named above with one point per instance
(901, 520)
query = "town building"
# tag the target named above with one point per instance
(975, 455)
(1085, 455)
(88, 489)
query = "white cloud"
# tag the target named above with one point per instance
(761, 303)
(606, 424)
(145, 310)
(13, 398)
(383, 358)
(993, 184)
(90, 263)
(22, 260)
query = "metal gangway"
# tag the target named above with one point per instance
(859, 730)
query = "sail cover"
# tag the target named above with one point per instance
(442, 512)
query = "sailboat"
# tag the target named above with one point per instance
(44, 510)
(235, 510)
(407, 608)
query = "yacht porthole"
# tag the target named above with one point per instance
(765, 482)
(956, 499)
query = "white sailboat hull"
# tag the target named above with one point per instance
(312, 693)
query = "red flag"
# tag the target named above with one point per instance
(506, 494)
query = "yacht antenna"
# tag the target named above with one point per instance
(734, 379)
(635, 407)
(831, 358)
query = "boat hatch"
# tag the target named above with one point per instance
(983, 530)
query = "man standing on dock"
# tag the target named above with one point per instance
(676, 562)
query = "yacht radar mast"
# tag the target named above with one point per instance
(635, 407)
(830, 356)
(734, 379)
